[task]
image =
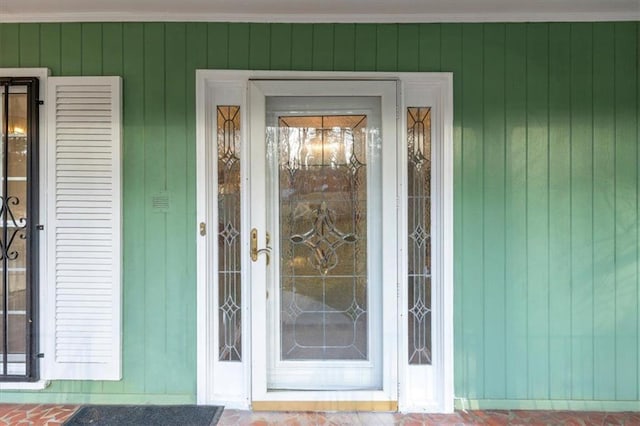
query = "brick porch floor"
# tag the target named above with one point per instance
(44, 414)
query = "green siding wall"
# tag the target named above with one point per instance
(546, 191)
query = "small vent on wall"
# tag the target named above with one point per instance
(160, 202)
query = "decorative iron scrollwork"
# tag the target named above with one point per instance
(15, 228)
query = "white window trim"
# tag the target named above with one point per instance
(440, 85)
(21, 386)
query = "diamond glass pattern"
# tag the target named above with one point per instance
(419, 253)
(323, 267)
(229, 280)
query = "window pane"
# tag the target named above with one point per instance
(323, 229)
(13, 231)
(419, 220)
(229, 261)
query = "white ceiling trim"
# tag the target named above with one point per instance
(320, 18)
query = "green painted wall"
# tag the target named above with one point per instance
(546, 191)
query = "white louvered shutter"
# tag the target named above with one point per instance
(83, 285)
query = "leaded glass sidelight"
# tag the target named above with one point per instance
(419, 231)
(229, 278)
(322, 174)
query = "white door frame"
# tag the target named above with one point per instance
(258, 91)
(229, 383)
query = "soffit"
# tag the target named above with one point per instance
(319, 10)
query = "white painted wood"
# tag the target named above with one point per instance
(314, 374)
(219, 382)
(257, 194)
(446, 238)
(430, 387)
(204, 376)
(314, 11)
(83, 280)
(20, 386)
(438, 396)
(376, 373)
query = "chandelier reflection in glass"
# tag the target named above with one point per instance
(320, 141)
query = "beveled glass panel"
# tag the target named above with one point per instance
(229, 261)
(323, 228)
(419, 231)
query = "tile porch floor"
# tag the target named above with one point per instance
(45, 414)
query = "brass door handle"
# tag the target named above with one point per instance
(255, 251)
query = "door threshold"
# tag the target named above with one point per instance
(325, 406)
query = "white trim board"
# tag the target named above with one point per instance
(545, 404)
(630, 15)
(24, 386)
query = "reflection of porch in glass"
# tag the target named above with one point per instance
(16, 350)
(305, 317)
(16, 364)
(323, 197)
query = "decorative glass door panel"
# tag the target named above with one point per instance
(321, 151)
(323, 263)
(323, 199)
(333, 207)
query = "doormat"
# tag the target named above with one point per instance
(146, 415)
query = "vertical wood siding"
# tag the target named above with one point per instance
(546, 188)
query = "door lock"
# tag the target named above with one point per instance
(254, 246)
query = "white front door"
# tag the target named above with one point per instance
(325, 240)
(321, 221)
